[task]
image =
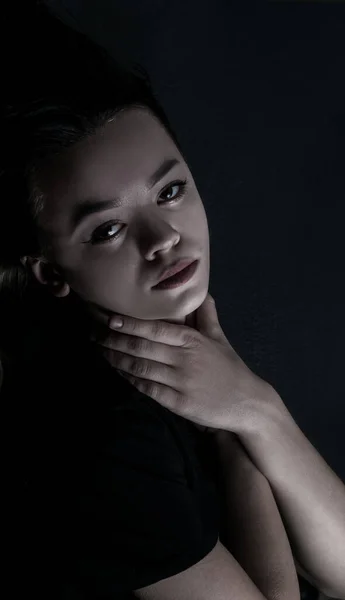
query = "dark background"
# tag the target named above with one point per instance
(256, 95)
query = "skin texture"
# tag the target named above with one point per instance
(118, 275)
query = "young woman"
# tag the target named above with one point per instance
(97, 202)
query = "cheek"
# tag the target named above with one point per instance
(200, 222)
(106, 282)
(95, 275)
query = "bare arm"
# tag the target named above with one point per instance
(256, 536)
(309, 495)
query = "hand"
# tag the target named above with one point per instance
(194, 373)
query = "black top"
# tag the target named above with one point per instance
(113, 491)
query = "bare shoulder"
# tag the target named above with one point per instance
(218, 576)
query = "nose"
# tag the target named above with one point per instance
(159, 238)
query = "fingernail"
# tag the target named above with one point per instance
(116, 322)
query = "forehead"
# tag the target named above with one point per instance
(119, 156)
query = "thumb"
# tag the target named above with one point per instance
(207, 319)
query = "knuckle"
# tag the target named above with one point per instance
(139, 368)
(138, 345)
(159, 329)
(144, 347)
(133, 343)
(151, 389)
(182, 404)
(192, 339)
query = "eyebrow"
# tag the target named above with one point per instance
(91, 205)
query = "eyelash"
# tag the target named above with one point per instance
(182, 185)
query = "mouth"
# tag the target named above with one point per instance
(175, 267)
(180, 277)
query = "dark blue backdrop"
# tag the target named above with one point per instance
(257, 96)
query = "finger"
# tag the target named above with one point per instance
(171, 334)
(153, 389)
(137, 346)
(151, 370)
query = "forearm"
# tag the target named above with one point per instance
(255, 533)
(309, 495)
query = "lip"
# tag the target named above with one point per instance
(175, 267)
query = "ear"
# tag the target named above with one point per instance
(46, 274)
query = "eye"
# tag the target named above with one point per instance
(174, 190)
(105, 233)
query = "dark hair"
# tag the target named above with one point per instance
(67, 89)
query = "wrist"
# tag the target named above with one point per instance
(264, 408)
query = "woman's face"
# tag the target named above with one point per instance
(111, 255)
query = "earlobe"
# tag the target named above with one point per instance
(60, 289)
(46, 274)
